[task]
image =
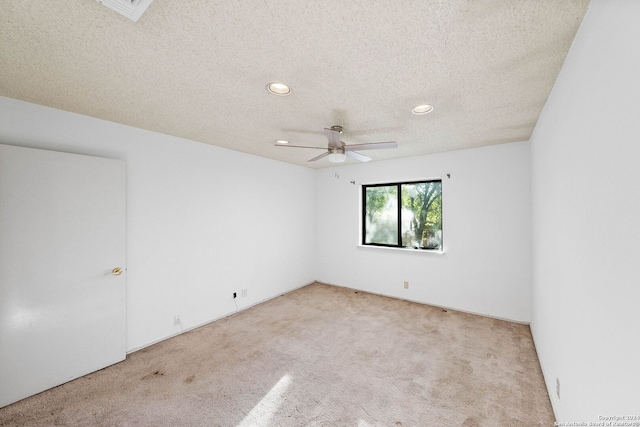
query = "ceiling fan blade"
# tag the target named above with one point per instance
(300, 146)
(334, 138)
(319, 157)
(357, 156)
(372, 146)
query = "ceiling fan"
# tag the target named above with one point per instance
(338, 151)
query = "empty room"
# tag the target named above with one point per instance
(411, 213)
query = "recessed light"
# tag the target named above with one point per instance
(279, 89)
(422, 109)
(282, 141)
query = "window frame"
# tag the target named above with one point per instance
(398, 185)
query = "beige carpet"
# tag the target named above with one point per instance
(318, 356)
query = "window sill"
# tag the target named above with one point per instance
(411, 250)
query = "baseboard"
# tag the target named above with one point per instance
(233, 313)
(550, 386)
(430, 304)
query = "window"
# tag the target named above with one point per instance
(405, 215)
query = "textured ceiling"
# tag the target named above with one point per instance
(198, 69)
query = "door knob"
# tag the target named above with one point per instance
(116, 271)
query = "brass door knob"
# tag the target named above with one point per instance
(116, 271)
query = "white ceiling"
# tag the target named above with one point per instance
(198, 69)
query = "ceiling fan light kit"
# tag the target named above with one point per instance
(337, 155)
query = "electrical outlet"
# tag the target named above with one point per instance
(558, 387)
(177, 320)
(406, 285)
(244, 293)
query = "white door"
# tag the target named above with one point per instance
(62, 232)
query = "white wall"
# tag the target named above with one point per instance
(486, 228)
(202, 221)
(586, 213)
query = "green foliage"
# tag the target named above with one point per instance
(377, 199)
(425, 201)
(381, 214)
